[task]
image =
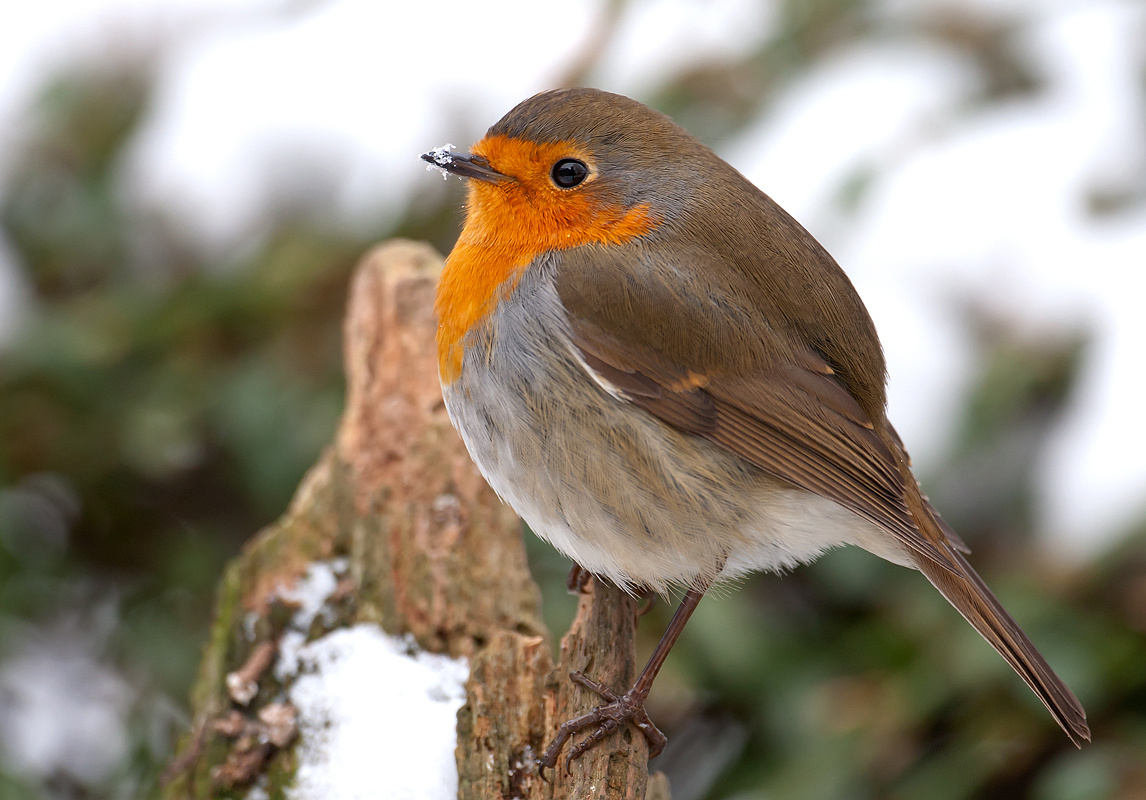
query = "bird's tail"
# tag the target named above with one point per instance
(964, 589)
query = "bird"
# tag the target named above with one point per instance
(672, 382)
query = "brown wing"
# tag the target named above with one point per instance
(794, 421)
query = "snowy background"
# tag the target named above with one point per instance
(937, 185)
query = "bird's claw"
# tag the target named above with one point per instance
(606, 719)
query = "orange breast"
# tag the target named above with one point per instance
(509, 224)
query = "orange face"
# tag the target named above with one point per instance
(510, 223)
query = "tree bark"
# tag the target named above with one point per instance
(431, 552)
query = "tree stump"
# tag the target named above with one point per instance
(424, 549)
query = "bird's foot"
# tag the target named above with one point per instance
(607, 719)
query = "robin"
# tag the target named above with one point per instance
(672, 382)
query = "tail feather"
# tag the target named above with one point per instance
(978, 605)
(965, 590)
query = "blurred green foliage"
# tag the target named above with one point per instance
(159, 407)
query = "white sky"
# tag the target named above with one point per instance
(987, 202)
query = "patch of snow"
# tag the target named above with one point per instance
(370, 706)
(439, 158)
(376, 718)
(62, 710)
(310, 592)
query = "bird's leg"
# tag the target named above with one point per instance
(629, 707)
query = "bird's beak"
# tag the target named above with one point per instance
(464, 166)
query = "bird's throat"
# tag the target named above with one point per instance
(508, 226)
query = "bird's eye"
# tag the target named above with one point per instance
(568, 172)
